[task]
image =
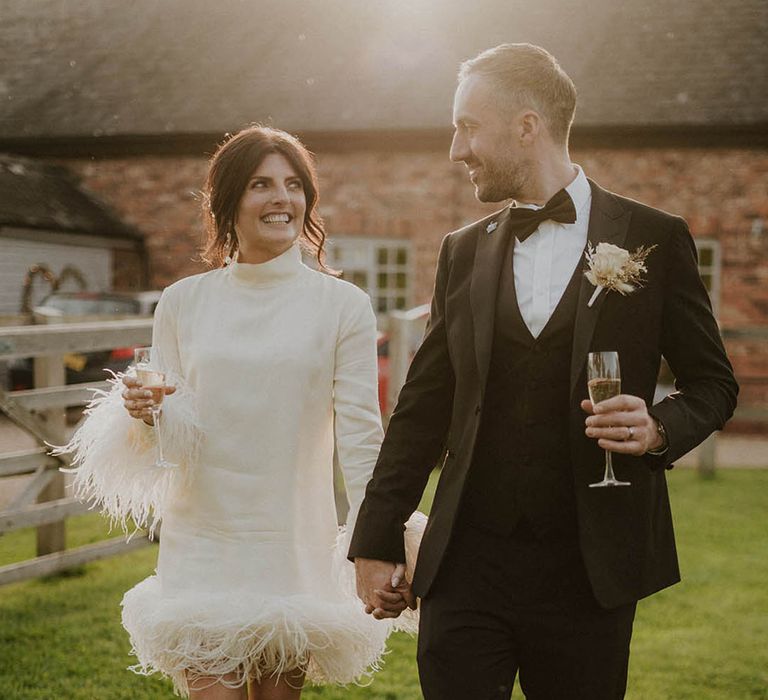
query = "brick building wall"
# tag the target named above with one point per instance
(420, 196)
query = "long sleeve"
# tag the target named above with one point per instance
(358, 431)
(415, 437)
(706, 388)
(114, 454)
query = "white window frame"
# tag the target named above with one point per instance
(361, 255)
(713, 271)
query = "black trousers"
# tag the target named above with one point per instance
(503, 605)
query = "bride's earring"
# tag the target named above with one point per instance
(228, 248)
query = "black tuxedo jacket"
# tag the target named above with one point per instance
(625, 534)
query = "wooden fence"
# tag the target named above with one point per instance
(43, 504)
(406, 329)
(41, 412)
(747, 411)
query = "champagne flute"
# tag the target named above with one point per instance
(604, 382)
(152, 379)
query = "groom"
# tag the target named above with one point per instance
(523, 567)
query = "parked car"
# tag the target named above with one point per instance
(74, 304)
(72, 307)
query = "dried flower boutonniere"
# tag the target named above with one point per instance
(611, 267)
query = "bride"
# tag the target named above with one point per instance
(272, 367)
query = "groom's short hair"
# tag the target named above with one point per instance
(528, 76)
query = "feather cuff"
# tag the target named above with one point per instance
(114, 455)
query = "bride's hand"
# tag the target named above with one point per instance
(401, 583)
(375, 587)
(137, 401)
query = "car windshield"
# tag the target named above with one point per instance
(75, 306)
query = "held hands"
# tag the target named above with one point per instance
(382, 586)
(622, 424)
(138, 401)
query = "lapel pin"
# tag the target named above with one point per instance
(490, 228)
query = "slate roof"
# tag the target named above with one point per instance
(37, 195)
(149, 67)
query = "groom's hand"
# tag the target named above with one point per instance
(382, 586)
(622, 424)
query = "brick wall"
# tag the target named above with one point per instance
(128, 270)
(421, 196)
(160, 197)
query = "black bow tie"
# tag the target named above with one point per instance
(524, 221)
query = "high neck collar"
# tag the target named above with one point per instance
(283, 268)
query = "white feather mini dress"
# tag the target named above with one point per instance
(275, 364)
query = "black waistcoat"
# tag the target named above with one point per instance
(521, 467)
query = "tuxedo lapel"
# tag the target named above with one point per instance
(489, 258)
(608, 222)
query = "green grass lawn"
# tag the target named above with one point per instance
(704, 639)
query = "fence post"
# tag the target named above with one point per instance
(406, 328)
(49, 371)
(41, 413)
(399, 356)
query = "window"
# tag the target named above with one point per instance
(709, 268)
(381, 267)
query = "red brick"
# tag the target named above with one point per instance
(422, 196)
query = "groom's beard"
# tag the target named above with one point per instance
(503, 178)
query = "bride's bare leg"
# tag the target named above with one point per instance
(209, 688)
(285, 687)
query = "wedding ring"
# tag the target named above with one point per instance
(631, 432)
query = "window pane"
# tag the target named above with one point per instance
(380, 267)
(359, 278)
(706, 277)
(706, 257)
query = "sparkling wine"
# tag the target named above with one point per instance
(601, 388)
(604, 382)
(154, 381)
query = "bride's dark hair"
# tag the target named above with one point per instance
(229, 172)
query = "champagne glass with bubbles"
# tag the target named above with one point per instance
(153, 380)
(604, 382)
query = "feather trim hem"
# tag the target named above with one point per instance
(250, 637)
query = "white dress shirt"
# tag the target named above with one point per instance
(545, 261)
